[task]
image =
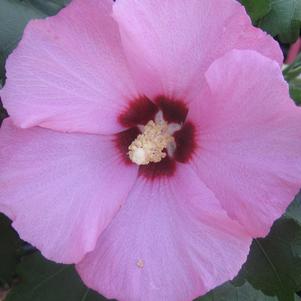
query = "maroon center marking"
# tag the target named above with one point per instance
(124, 140)
(139, 111)
(173, 110)
(185, 141)
(165, 168)
(142, 110)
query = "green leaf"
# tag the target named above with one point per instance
(295, 90)
(294, 210)
(49, 7)
(289, 69)
(43, 280)
(10, 244)
(14, 15)
(292, 74)
(277, 17)
(274, 263)
(257, 9)
(3, 113)
(229, 292)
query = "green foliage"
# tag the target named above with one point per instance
(49, 7)
(3, 114)
(229, 292)
(294, 210)
(43, 280)
(257, 9)
(277, 17)
(10, 245)
(14, 15)
(274, 263)
(273, 268)
(295, 90)
(292, 74)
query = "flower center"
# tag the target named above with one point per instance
(156, 137)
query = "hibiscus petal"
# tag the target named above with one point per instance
(69, 72)
(249, 139)
(61, 190)
(170, 241)
(170, 44)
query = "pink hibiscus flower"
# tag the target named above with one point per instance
(149, 142)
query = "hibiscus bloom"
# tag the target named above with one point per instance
(148, 143)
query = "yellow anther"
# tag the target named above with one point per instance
(148, 147)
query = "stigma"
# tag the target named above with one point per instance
(155, 141)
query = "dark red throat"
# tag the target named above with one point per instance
(139, 112)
